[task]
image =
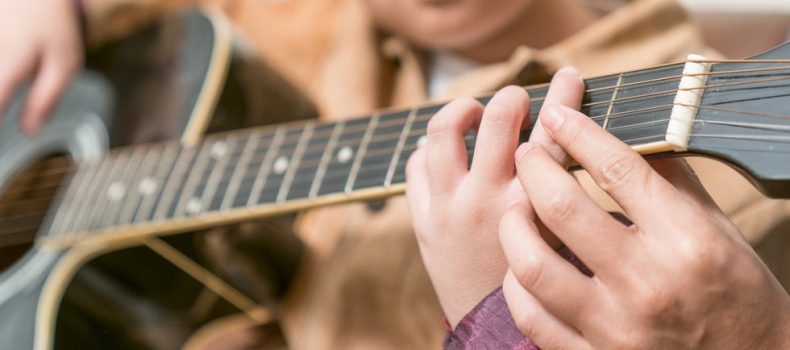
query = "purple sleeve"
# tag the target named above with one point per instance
(490, 326)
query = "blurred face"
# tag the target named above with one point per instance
(448, 24)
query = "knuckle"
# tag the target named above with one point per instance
(467, 103)
(560, 206)
(529, 271)
(499, 119)
(702, 257)
(525, 322)
(450, 116)
(437, 125)
(657, 301)
(620, 170)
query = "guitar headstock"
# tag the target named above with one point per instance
(744, 118)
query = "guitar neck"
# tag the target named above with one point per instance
(266, 171)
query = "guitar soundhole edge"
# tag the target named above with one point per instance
(24, 205)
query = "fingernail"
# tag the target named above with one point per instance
(569, 70)
(522, 150)
(552, 117)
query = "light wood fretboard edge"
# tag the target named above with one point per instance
(127, 236)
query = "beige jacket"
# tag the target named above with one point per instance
(364, 285)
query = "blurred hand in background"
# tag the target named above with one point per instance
(40, 41)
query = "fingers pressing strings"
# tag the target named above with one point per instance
(447, 156)
(566, 209)
(617, 169)
(567, 88)
(498, 136)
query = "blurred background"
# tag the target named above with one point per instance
(739, 28)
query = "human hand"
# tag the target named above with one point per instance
(41, 39)
(680, 277)
(456, 210)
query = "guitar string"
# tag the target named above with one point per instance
(28, 229)
(361, 128)
(311, 151)
(740, 61)
(746, 137)
(728, 84)
(300, 179)
(619, 115)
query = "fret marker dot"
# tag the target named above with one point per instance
(147, 186)
(218, 149)
(193, 206)
(116, 191)
(422, 140)
(280, 165)
(345, 154)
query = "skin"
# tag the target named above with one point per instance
(486, 31)
(680, 277)
(481, 30)
(46, 54)
(668, 287)
(456, 211)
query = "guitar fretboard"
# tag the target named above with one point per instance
(307, 161)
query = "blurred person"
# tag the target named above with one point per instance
(364, 284)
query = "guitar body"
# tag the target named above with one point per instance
(176, 79)
(78, 130)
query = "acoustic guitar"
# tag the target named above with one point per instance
(144, 196)
(174, 79)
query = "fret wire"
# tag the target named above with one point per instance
(412, 133)
(266, 165)
(325, 158)
(114, 205)
(607, 116)
(101, 201)
(360, 153)
(70, 223)
(470, 151)
(238, 173)
(611, 104)
(173, 179)
(285, 185)
(219, 151)
(146, 168)
(219, 171)
(67, 206)
(399, 147)
(389, 136)
(386, 137)
(76, 225)
(187, 191)
(353, 129)
(164, 166)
